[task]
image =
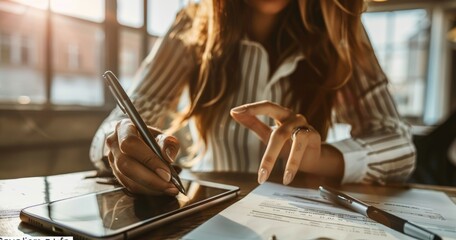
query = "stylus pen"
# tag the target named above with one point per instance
(378, 215)
(128, 108)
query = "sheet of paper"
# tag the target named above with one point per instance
(297, 213)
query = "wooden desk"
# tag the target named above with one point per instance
(19, 193)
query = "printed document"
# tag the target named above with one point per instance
(299, 213)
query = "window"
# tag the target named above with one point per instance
(22, 36)
(77, 54)
(15, 49)
(74, 56)
(131, 55)
(5, 48)
(138, 32)
(52, 52)
(130, 15)
(92, 10)
(162, 15)
(401, 42)
(26, 51)
(77, 70)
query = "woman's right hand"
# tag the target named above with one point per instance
(135, 165)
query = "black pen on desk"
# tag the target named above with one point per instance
(128, 108)
(378, 215)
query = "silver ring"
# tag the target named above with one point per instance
(274, 127)
(296, 130)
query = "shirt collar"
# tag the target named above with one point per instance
(286, 68)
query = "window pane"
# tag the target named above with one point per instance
(77, 55)
(86, 9)
(21, 54)
(161, 15)
(400, 40)
(377, 21)
(130, 13)
(130, 55)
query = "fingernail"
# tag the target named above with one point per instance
(163, 174)
(239, 109)
(171, 191)
(287, 177)
(168, 153)
(262, 175)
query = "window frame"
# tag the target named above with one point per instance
(111, 52)
(436, 99)
(110, 57)
(389, 49)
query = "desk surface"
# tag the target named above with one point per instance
(16, 194)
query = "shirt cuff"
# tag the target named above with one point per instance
(355, 160)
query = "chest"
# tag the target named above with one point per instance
(258, 81)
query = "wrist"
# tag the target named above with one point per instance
(332, 161)
(330, 164)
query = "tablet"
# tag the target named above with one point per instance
(113, 214)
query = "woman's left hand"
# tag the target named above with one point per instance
(302, 151)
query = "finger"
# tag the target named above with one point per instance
(275, 144)
(266, 108)
(112, 137)
(130, 185)
(253, 123)
(169, 146)
(246, 115)
(298, 148)
(312, 152)
(131, 144)
(138, 173)
(136, 188)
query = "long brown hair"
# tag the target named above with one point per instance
(328, 32)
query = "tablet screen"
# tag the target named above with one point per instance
(109, 212)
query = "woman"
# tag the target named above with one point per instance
(285, 70)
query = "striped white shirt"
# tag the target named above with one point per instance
(379, 149)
